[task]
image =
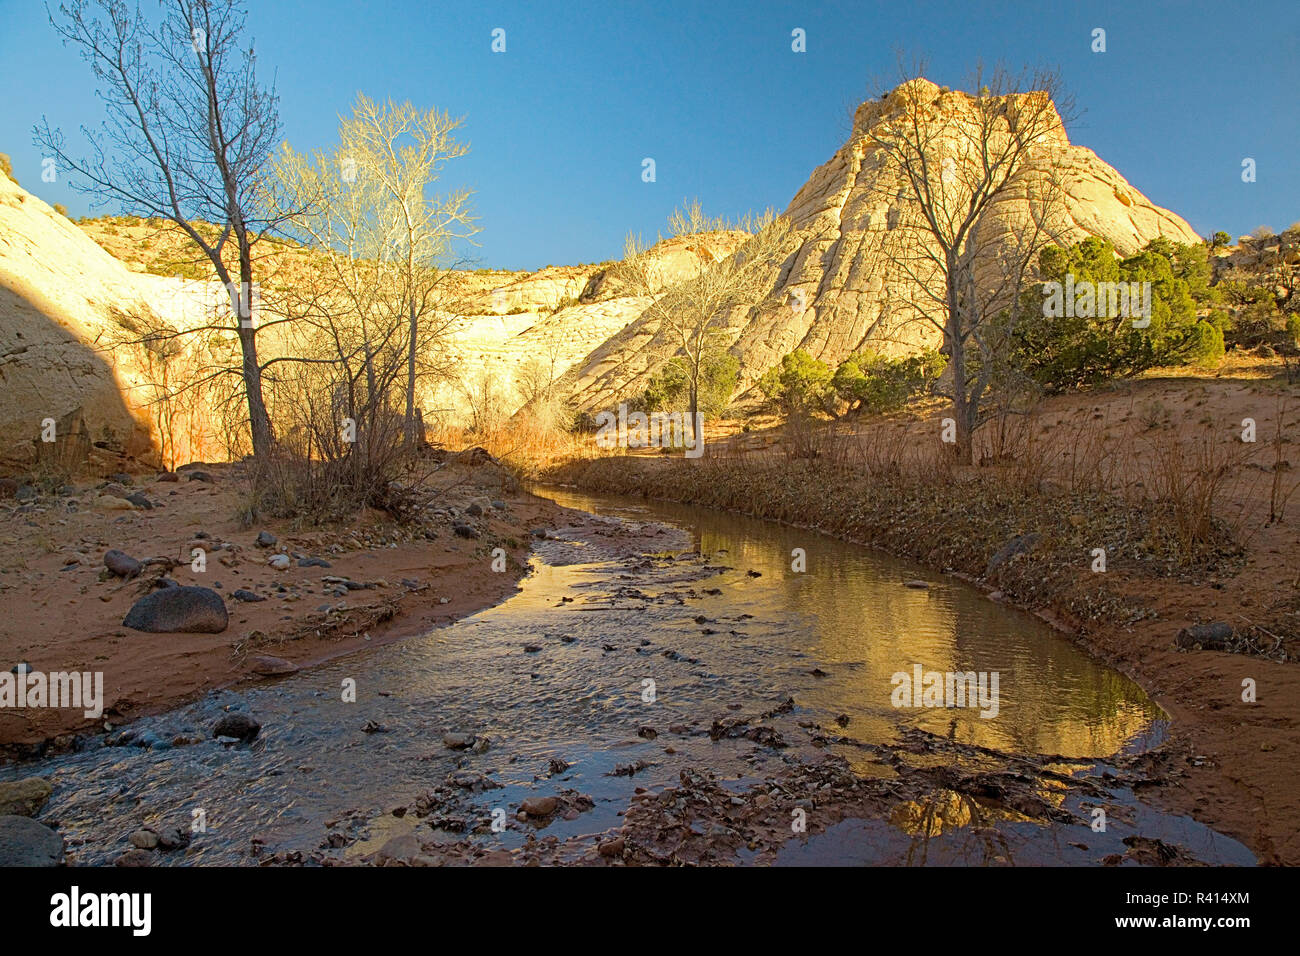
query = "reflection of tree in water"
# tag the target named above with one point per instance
(947, 810)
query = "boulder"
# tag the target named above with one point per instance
(24, 842)
(1208, 637)
(134, 858)
(144, 840)
(269, 666)
(400, 849)
(173, 838)
(185, 610)
(111, 503)
(540, 806)
(23, 798)
(236, 724)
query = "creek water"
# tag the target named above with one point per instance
(642, 615)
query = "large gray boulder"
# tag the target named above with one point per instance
(188, 610)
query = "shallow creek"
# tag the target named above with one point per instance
(639, 628)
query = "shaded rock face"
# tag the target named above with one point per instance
(836, 292)
(189, 610)
(64, 303)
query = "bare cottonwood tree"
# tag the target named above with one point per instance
(976, 197)
(689, 315)
(187, 138)
(402, 149)
(367, 205)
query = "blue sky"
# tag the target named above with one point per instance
(560, 122)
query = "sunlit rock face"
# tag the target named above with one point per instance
(836, 292)
(556, 322)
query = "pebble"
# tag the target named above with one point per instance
(121, 563)
(144, 839)
(539, 806)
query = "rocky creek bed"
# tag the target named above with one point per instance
(664, 689)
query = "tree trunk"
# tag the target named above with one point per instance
(259, 421)
(410, 380)
(696, 436)
(962, 412)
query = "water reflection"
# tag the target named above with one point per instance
(852, 614)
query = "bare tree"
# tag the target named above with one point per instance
(187, 138)
(976, 198)
(402, 150)
(536, 384)
(386, 242)
(690, 315)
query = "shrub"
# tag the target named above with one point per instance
(1204, 345)
(669, 389)
(1063, 351)
(873, 383)
(7, 167)
(61, 209)
(799, 384)
(1256, 319)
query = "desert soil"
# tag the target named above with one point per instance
(64, 610)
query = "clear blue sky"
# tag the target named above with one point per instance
(560, 122)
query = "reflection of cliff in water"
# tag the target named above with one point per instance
(859, 617)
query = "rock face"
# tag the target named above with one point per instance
(832, 296)
(66, 304)
(545, 325)
(188, 610)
